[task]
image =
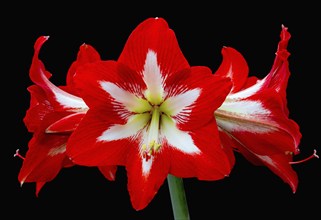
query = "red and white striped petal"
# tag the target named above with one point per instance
(109, 80)
(132, 128)
(258, 121)
(127, 99)
(210, 154)
(246, 92)
(192, 95)
(87, 144)
(181, 103)
(60, 99)
(176, 138)
(145, 177)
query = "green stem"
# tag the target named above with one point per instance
(178, 198)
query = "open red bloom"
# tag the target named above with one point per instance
(152, 113)
(254, 118)
(53, 115)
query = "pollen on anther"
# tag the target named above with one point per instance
(156, 147)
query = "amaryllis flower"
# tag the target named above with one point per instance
(53, 115)
(254, 118)
(151, 112)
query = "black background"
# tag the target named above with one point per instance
(202, 30)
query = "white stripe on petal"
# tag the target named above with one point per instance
(245, 108)
(64, 98)
(267, 159)
(147, 165)
(134, 124)
(182, 102)
(176, 138)
(70, 101)
(230, 125)
(130, 101)
(153, 79)
(57, 150)
(246, 92)
(247, 116)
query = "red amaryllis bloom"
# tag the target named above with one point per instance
(254, 118)
(53, 114)
(152, 113)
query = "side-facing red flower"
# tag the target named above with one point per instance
(254, 118)
(53, 115)
(152, 113)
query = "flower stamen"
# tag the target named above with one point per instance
(314, 155)
(153, 133)
(149, 151)
(17, 154)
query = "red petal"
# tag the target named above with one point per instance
(279, 164)
(154, 34)
(66, 124)
(40, 76)
(212, 163)
(108, 172)
(213, 90)
(235, 67)
(89, 77)
(278, 77)
(44, 159)
(142, 188)
(86, 54)
(39, 186)
(281, 167)
(84, 148)
(38, 109)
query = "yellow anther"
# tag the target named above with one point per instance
(152, 143)
(144, 147)
(156, 147)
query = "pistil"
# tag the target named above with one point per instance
(314, 155)
(17, 154)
